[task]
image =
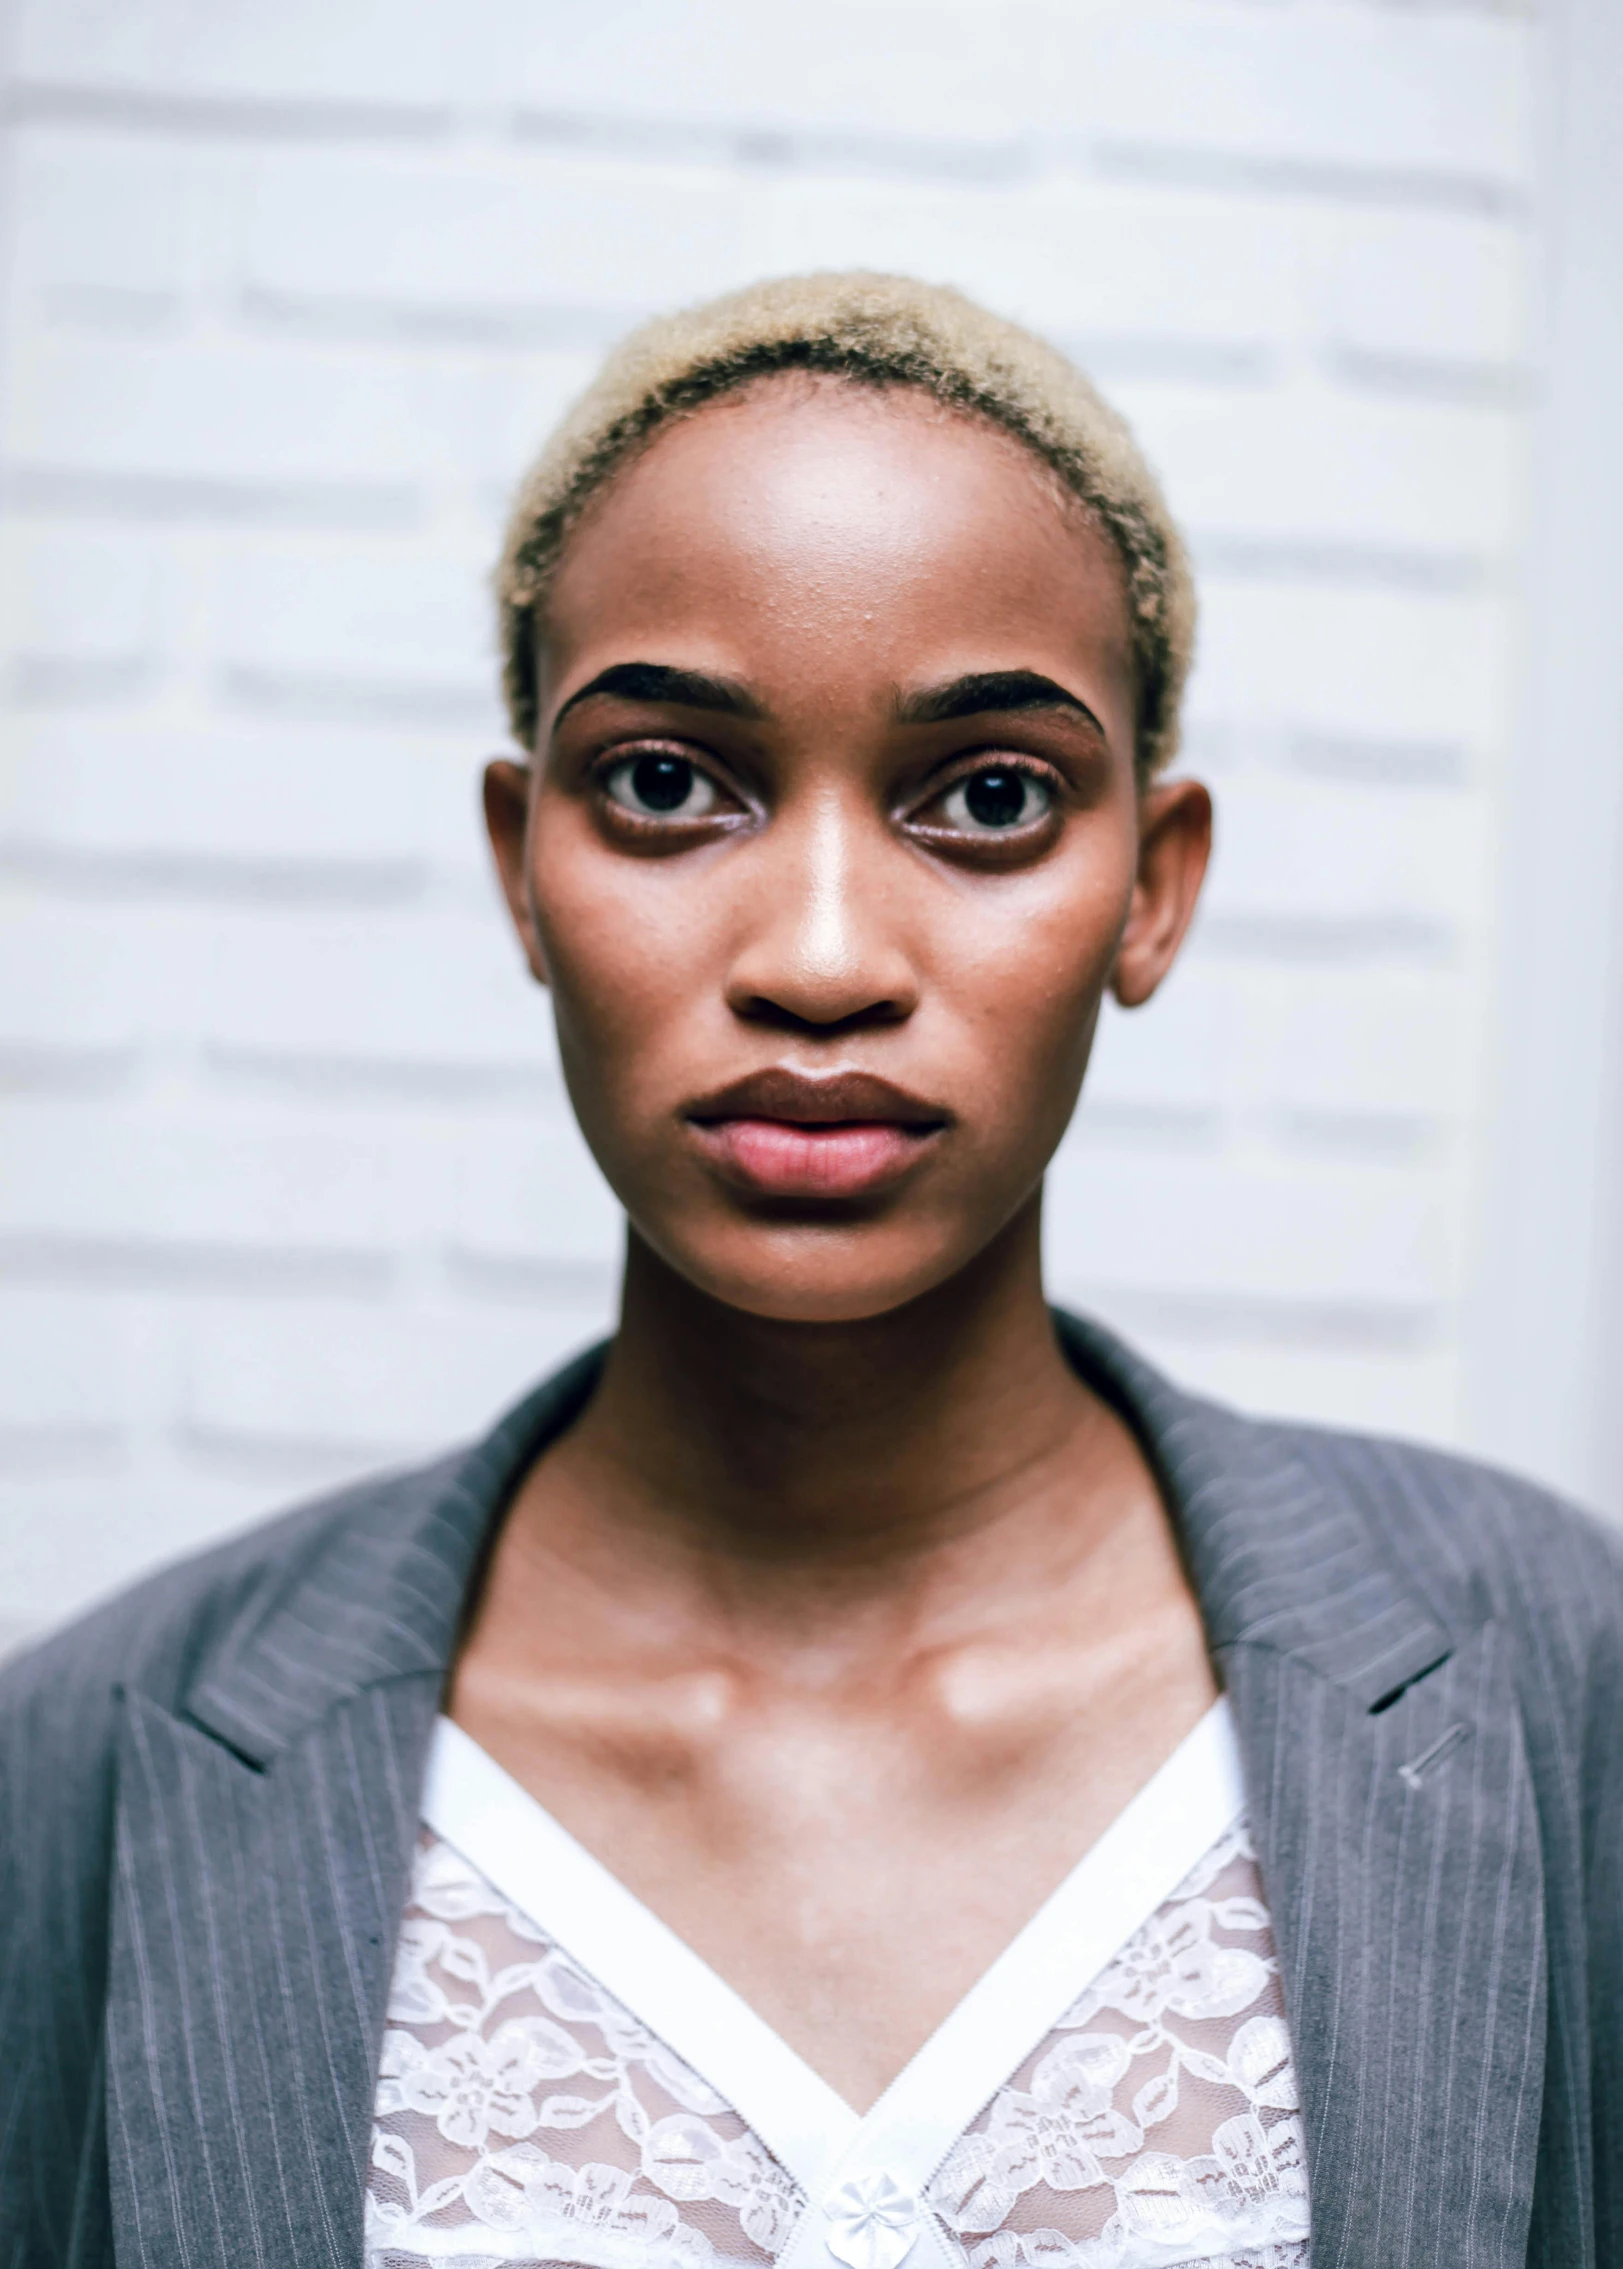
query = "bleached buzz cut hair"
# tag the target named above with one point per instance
(877, 331)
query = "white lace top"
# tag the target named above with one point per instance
(565, 2081)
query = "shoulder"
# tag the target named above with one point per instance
(62, 1702)
(1479, 1545)
(157, 1637)
(372, 1573)
(1461, 1527)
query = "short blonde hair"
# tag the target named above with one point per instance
(875, 331)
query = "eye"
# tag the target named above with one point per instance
(661, 787)
(995, 800)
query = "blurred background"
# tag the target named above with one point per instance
(288, 1186)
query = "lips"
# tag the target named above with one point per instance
(782, 1133)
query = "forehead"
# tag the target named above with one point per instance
(875, 520)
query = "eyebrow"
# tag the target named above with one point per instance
(988, 691)
(659, 682)
(982, 693)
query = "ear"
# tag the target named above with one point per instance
(1174, 844)
(507, 822)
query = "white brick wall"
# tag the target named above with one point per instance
(287, 1182)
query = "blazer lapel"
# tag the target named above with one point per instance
(1392, 1806)
(255, 1920)
(262, 1850)
(1402, 1861)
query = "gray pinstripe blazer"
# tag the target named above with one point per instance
(208, 1795)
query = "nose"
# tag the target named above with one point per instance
(822, 949)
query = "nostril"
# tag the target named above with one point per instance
(834, 1023)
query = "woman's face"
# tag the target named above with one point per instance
(832, 842)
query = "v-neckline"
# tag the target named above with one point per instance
(822, 2141)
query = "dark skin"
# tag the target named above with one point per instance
(847, 1616)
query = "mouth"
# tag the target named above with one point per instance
(785, 1134)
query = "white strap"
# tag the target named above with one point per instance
(519, 1847)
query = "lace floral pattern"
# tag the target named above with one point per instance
(522, 2115)
(1157, 2123)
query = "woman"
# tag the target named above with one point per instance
(861, 1770)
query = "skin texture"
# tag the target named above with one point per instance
(846, 1617)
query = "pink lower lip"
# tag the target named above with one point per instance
(844, 1160)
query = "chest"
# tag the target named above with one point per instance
(851, 1863)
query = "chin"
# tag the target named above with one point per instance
(818, 1277)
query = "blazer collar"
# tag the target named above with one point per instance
(1275, 1561)
(379, 1595)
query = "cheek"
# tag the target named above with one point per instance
(1025, 976)
(626, 947)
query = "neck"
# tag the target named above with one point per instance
(793, 1451)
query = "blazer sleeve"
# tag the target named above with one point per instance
(1602, 1831)
(57, 1735)
(62, 1711)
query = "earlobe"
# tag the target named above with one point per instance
(507, 814)
(1175, 842)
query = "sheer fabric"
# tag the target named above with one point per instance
(524, 2115)
(1160, 2110)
